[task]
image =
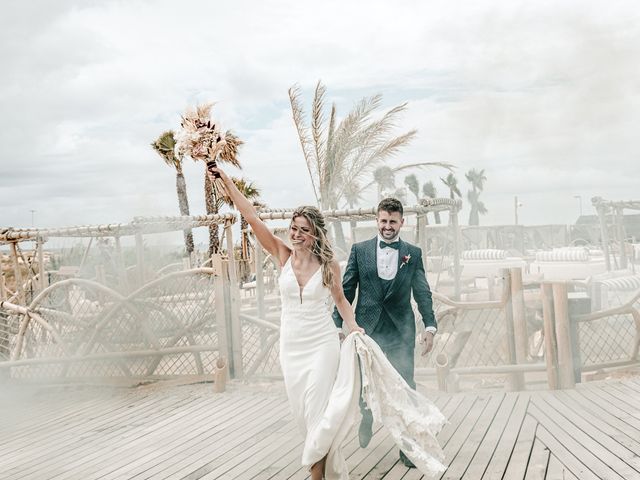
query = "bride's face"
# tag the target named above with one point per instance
(301, 234)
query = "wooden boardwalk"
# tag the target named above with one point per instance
(188, 432)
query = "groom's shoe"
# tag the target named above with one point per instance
(366, 430)
(405, 460)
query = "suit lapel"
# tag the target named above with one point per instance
(403, 251)
(371, 263)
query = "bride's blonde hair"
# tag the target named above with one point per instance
(321, 247)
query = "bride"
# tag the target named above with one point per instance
(324, 381)
(310, 278)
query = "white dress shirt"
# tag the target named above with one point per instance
(387, 259)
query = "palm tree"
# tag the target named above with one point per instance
(214, 199)
(452, 184)
(251, 193)
(477, 179)
(385, 178)
(165, 147)
(411, 181)
(429, 191)
(477, 207)
(339, 154)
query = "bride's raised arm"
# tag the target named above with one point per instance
(268, 240)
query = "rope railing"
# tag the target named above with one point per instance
(160, 224)
(426, 205)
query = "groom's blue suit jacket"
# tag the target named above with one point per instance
(361, 275)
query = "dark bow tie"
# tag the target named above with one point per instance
(394, 245)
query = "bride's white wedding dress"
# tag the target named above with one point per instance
(323, 383)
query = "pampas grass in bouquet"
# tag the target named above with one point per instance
(202, 139)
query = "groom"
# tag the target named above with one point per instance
(386, 270)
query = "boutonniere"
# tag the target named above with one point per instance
(405, 260)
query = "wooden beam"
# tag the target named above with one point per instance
(563, 335)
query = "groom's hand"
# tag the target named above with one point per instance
(427, 342)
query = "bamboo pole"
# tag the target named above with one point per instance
(234, 310)
(110, 356)
(604, 234)
(519, 316)
(3, 288)
(17, 273)
(258, 258)
(456, 253)
(550, 343)
(442, 371)
(563, 335)
(220, 306)
(41, 270)
(515, 380)
(220, 375)
(422, 238)
(621, 235)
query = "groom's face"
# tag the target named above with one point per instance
(389, 224)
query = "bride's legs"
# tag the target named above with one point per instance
(317, 469)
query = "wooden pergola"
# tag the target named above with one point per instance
(616, 209)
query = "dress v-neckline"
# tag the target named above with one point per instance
(301, 287)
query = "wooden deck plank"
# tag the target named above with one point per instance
(223, 455)
(522, 450)
(610, 403)
(590, 453)
(64, 414)
(557, 471)
(538, 462)
(52, 443)
(500, 459)
(568, 457)
(122, 437)
(464, 456)
(602, 419)
(589, 426)
(189, 436)
(191, 433)
(485, 451)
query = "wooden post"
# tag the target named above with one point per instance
(42, 284)
(515, 380)
(234, 310)
(563, 335)
(620, 231)
(220, 307)
(17, 273)
(519, 316)
(140, 258)
(456, 252)
(422, 237)
(442, 371)
(3, 288)
(258, 257)
(220, 375)
(604, 234)
(550, 344)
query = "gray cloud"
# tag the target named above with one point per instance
(542, 95)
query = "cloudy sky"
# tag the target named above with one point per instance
(544, 95)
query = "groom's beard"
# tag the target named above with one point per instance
(386, 235)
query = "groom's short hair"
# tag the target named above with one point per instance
(391, 205)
